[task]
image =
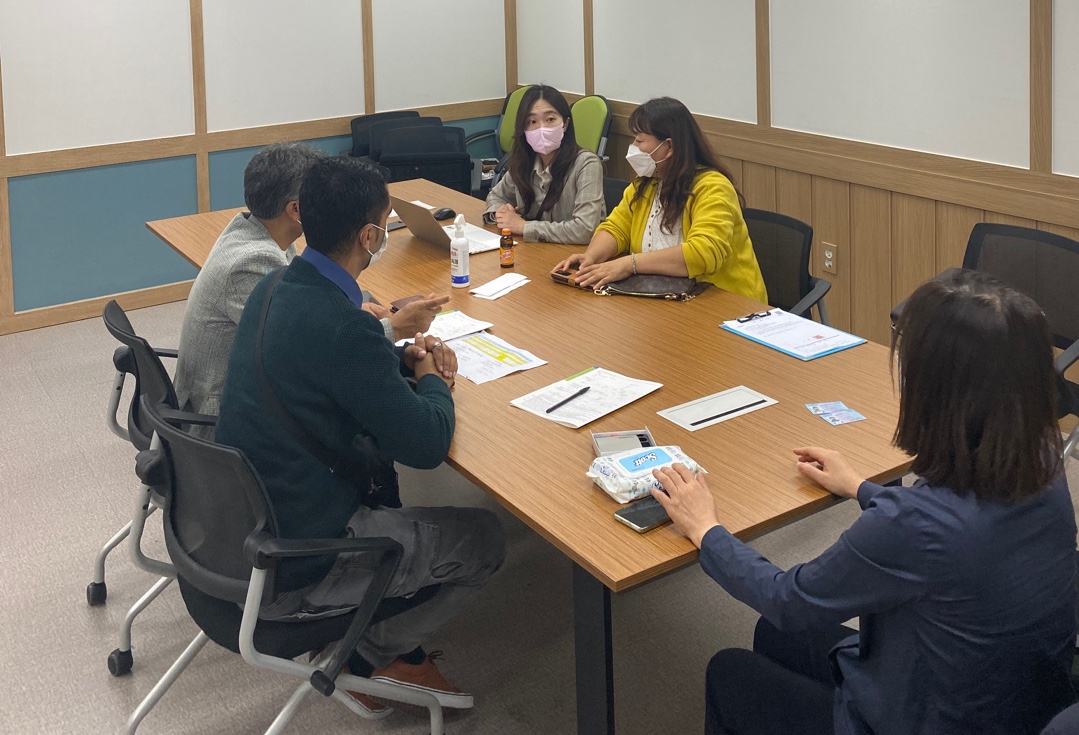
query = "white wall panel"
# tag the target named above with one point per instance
(279, 61)
(702, 52)
(1066, 87)
(430, 52)
(944, 77)
(80, 73)
(550, 43)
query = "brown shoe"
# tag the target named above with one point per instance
(375, 710)
(424, 677)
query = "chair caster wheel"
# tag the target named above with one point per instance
(119, 662)
(96, 592)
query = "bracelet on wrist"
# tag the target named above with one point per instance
(633, 262)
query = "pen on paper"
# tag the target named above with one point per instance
(564, 401)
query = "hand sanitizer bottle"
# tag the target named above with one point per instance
(459, 254)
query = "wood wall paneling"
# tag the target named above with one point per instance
(367, 14)
(954, 223)
(1041, 85)
(764, 65)
(831, 224)
(734, 167)
(589, 50)
(794, 198)
(1071, 232)
(198, 86)
(914, 257)
(870, 257)
(1009, 219)
(511, 45)
(7, 286)
(759, 185)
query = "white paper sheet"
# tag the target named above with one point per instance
(483, 357)
(479, 239)
(792, 335)
(451, 325)
(607, 391)
(716, 408)
(499, 286)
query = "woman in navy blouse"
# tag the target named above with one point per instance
(964, 584)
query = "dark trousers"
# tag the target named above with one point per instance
(783, 686)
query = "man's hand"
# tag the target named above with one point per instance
(688, 501)
(429, 356)
(598, 275)
(378, 311)
(506, 218)
(827, 468)
(416, 316)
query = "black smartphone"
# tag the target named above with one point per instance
(394, 226)
(643, 515)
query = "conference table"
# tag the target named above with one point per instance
(535, 468)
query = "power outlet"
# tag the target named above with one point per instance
(831, 257)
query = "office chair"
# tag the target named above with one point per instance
(434, 153)
(222, 535)
(613, 191)
(591, 123)
(138, 359)
(782, 245)
(1045, 267)
(361, 129)
(502, 133)
(378, 131)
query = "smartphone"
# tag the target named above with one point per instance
(394, 226)
(396, 306)
(643, 515)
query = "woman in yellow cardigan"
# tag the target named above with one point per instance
(682, 197)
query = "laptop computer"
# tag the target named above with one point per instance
(423, 225)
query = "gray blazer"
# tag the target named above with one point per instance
(578, 212)
(242, 255)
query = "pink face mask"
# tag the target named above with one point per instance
(545, 140)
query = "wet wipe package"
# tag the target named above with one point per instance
(627, 476)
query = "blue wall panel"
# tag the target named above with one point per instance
(81, 234)
(227, 167)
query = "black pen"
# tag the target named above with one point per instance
(564, 401)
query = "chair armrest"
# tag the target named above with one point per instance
(803, 307)
(178, 418)
(480, 136)
(260, 549)
(161, 352)
(1066, 358)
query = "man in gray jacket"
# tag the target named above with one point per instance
(254, 243)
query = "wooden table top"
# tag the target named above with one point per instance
(535, 468)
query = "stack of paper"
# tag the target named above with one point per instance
(500, 286)
(607, 391)
(791, 335)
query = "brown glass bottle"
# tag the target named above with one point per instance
(505, 249)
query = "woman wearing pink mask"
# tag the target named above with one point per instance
(553, 188)
(681, 216)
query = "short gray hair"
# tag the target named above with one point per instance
(272, 179)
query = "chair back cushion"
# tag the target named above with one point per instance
(591, 121)
(782, 245)
(509, 118)
(361, 126)
(378, 131)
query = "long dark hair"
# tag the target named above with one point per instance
(666, 117)
(977, 388)
(522, 158)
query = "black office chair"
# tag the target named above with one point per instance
(361, 129)
(1045, 267)
(613, 191)
(782, 245)
(378, 131)
(434, 153)
(151, 382)
(222, 536)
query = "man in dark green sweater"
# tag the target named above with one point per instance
(330, 366)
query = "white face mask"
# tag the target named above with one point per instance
(642, 163)
(382, 248)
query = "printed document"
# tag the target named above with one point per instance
(483, 357)
(792, 335)
(607, 391)
(451, 325)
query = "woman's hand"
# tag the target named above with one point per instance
(688, 501)
(598, 275)
(577, 260)
(506, 218)
(827, 468)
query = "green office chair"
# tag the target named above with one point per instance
(503, 132)
(592, 122)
